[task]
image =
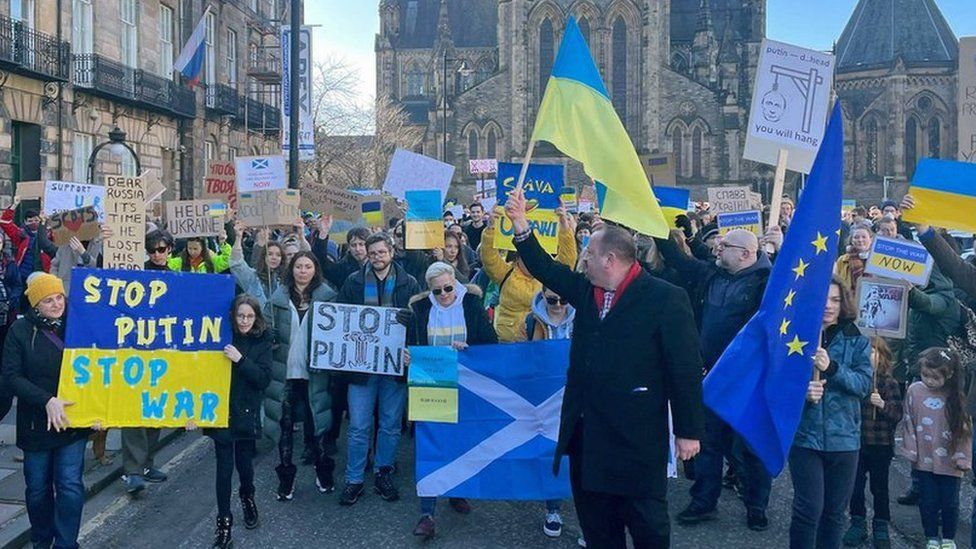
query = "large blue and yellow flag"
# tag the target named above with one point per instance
(577, 117)
(674, 202)
(760, 382)
(945, 194)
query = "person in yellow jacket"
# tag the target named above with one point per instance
(516, 286)
(196, 257)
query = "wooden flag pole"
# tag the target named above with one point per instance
(525, 166)
(777, 199)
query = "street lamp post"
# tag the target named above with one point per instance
(116, 143)
(462, 70)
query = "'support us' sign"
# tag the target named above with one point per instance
(357, 338)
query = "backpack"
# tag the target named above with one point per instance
(530, 322)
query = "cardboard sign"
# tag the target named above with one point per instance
(900, 259)
(409, 171)
(221, 183)
(140, 351)
(750, 221)
(260, 173)
(81, 224)
(269, 208)
(30, 190)
(966, 99)
(482, 166)
(329, 200)
(730, 199)
(186, 218)
(357, 338)
(424, 226)
(660, 169)
(789, 105)
(882, 307)
(391, 209)
(847, 205)
(125, 217)
(61, 196)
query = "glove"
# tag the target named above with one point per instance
(404, 317)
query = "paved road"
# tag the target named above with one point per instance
(181, 513)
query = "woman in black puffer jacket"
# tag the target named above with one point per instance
(250, 356)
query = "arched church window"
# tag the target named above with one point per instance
(415, 81)
(473, 143)
(696, 152)
(911, 146)
(619, 81)
(678, 147)
(935, 138)
(492, 144)
(871, 147)
(584, 25)
(547, 55)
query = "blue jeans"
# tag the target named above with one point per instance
(55, 494)
(720, 440)
(391, 397)
(938, 498)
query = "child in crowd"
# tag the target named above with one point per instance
(937, 438)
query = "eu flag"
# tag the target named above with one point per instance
(759, 384)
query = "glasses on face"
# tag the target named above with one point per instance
(444, 290)
(379, 253)
(723, 245)
(159, 250)
(245, 316)
(554, 300)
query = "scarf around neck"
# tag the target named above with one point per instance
(371, 295)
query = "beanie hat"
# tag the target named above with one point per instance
(41, 285)
(709, 231)
(889, 203)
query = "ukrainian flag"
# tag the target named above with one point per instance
(577, 117)
(373, 212)
(673, 201)
(945, 194)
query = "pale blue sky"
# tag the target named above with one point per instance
(348, 27)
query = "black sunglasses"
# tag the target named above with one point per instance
(444, 290)
(159, 250)
(554, 300)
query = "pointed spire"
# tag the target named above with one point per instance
(443, 24)
(704, 17)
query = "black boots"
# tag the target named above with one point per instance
(250, 511)
(286, 481)
(222, 534)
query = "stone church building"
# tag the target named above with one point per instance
(679, 73)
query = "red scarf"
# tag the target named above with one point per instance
(599, 293)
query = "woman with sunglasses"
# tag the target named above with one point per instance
(450, 314)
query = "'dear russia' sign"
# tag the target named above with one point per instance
(141, 351)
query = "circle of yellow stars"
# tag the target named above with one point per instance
(796, 346)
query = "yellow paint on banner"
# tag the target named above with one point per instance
(908, 267)
(942, 209)
(424, 235)
(545, 223)
(435, 404)
(130, 388)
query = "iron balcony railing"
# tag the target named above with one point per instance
(223, 99)
(101, 76)
(33, 53)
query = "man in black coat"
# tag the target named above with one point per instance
(634, 351)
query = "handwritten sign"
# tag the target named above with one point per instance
(482, 166)
(138, 353)
(330, 200)
(221, 183)
(750, 221)
(30, 190)
(409, 171)
(186, 218)
(901, 260)
(269, 208)
(260, 173)
(357, 338)
(60, 196)
(125, 217)
(729, 199)
(81, 224)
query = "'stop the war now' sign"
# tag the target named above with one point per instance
(900, 259)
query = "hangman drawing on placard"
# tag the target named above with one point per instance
(774, 103)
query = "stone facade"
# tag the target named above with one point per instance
(174, 139)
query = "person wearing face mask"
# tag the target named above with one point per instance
(450, 314)
(54, 453)
(850, 266)
(823, 459)
(263, 279)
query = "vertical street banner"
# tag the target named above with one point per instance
(967, 99)
(425, 227)
(138, 353)
(125, 218)
(306, 126)
(789, 105)
(357, 338)
(221, 183)
(542, 186)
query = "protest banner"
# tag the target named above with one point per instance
(357, 338)
(61, 196)
(660, 169)
(945, 195)
(269, 208)
(125, 217)
(138, 353)
(569, 200)
(966, 99)
(730, 199)
(882, 307)
(789, 105)
(186, 218)
(847, 205)
(482, 166)
(899, 259)
(81, 224)
(424, 228)
(221, 183)
(330, 200)
(755, 201)
(30, 190)
(409, 171)
(542, 186)
(750, 221)
(432, 381)
(260, 173)
(372, 208)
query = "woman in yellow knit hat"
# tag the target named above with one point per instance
(31, 368)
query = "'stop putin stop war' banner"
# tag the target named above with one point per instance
(145, 349)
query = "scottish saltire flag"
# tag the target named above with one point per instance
(577, 117)
(673, 201)
(945, 194)
(760, 383)
(190, 61)
(509, 399)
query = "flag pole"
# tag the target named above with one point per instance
(525, 166)
(777, 199)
